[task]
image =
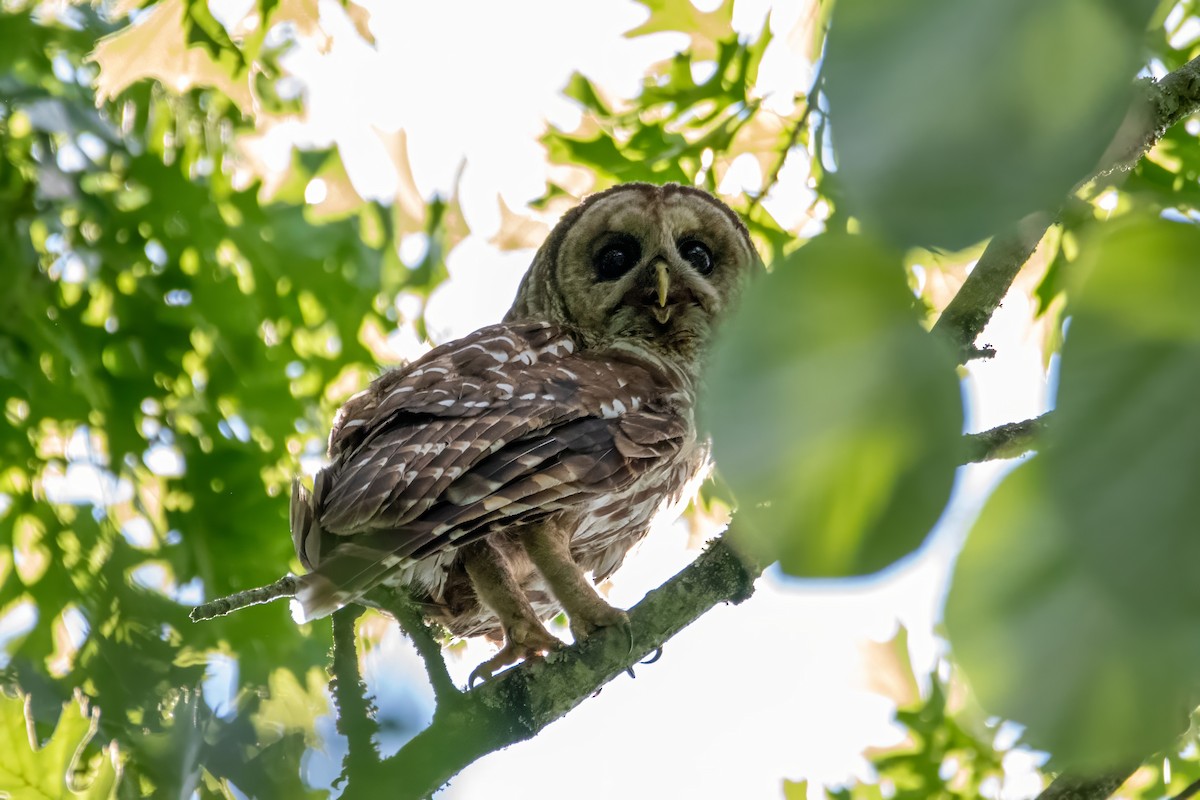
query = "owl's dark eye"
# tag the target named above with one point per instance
(617, 257)
(696, 254)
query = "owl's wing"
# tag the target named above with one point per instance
(504, 426)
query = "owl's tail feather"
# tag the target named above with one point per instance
(341, 569)
(306, 532)
(345, 574)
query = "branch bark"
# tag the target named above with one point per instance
(355, 712)
(1164, 104)
(1006, 441)
(1072, 787)
(517, 704)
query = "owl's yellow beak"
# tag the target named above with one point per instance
(664, 282)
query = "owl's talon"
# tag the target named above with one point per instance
(629, 671)
(511, 653)
(627, 629)
(657, 655)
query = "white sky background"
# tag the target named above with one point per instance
(747, 696)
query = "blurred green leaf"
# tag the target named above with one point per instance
(835, 417)
(1074, 606)
(951, 120)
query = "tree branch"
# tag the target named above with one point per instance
(966, 315)
(1072, 787)
(1006, 441)
(1165, 103)
(411, 621)
(518, 703)
(284, 587)
(355, 711)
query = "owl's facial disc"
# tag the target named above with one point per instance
(652, 265)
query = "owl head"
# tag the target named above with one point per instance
(643, 265)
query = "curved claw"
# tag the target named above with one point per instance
(627, 629)
(511, 653)
(657, 655)
(654, 657)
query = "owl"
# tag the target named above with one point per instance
(490, 477)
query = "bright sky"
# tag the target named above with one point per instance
(779, 687)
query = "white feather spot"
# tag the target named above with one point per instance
(447, 403)
(529, 396)
(494, 502)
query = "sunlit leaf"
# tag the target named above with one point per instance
(518, 230)
(704, 27)
(951, 120)
(60, 767)
(157, 48)
(835, 417)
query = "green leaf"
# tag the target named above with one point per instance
(952, 119)
(681, 15)
(60, 768)
(835, 417)
(204, 30)
(1074, 605)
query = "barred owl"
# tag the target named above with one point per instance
(488, 477)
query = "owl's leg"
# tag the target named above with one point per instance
(549, 548)
(497, 588)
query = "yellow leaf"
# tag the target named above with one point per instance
(155, 47)
(518, 231)
(360, 18)
(409, 205)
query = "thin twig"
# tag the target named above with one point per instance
(284, 587)
(793, 137)
(412, 622)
